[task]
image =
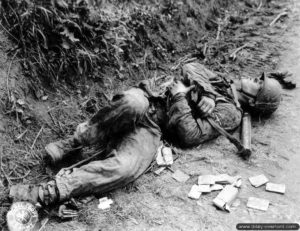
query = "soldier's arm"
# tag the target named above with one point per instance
(197, 74)
(183, 127)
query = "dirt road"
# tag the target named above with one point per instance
(161, 203)
(284, 132)
(276, 144)
(282, 160)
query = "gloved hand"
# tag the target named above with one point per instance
(206, 105)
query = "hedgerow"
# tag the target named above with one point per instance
(73, 40)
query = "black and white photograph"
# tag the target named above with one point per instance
(149, 115)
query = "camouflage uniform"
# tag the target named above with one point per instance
(132, 139)
(188, 126)
(132, 134)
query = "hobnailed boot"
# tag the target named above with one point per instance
(59, 149)
(48, 193)
(44, 194)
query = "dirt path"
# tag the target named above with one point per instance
(276, 145)
(282, 131)
(286, 131)
(279, 160)
(161, 203)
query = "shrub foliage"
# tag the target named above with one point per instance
(60, 40)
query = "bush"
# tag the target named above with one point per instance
(74, 40)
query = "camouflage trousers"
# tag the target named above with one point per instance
(132, 140)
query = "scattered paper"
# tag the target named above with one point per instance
(164, 156)
(104, 203)
(206, 179)
(205, 188)
(259, 180)
(167, 155)
(216, 187)
(226, 197)
(226, 179)
(258, 203)
(159, 158)
(277, 188)
(180, 176)
(221, 178)
(194, 193)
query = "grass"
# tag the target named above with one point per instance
(120, 43)
(67, 43)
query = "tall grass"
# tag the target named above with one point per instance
(67, 41)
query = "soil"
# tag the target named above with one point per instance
(159, 202)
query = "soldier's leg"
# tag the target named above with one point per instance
(126, 162)
(130, 158)
(120, 117)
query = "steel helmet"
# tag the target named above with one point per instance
(269, 96)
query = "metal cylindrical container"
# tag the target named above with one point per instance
(246, 131)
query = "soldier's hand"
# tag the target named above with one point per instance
(64, 212)
(63, 172)
(178, 87)
(206, 105)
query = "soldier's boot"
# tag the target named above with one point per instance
(59, 149)
(45, 193)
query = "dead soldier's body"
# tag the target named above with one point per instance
(131, 128)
